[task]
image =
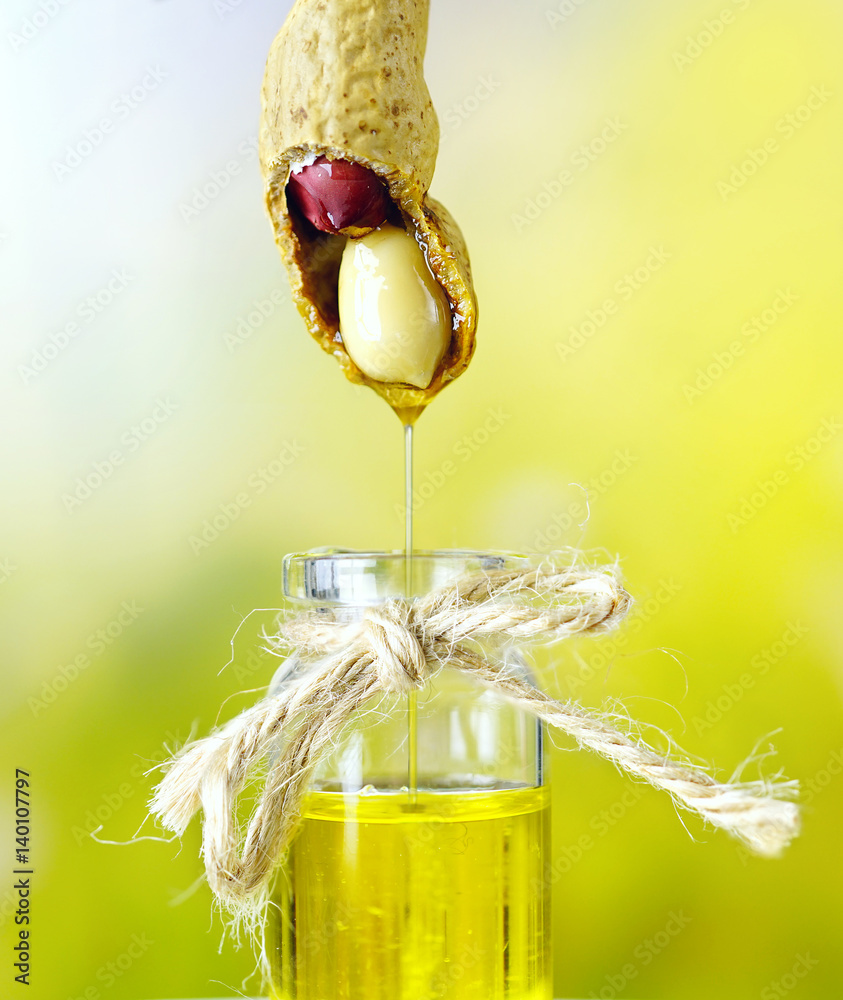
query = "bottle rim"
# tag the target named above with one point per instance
(334, 576)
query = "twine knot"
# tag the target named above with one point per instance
(395, 647)
(399, 655)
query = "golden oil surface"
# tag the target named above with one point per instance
(435, 896)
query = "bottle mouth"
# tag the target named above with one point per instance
(345, 576)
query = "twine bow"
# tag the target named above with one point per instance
(397, 647)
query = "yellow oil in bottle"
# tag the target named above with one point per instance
(439, 895)
(410, 893)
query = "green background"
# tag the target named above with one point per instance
(706, 448)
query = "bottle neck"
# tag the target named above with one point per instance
(342, 577)
(466, 736)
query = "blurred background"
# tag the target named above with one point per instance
(651, 193)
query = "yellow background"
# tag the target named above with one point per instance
(738, 628)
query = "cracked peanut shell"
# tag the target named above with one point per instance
(344, 79)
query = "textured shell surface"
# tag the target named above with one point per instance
(344, 78)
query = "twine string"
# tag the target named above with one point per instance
(397, 647)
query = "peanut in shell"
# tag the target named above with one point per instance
(344, 79)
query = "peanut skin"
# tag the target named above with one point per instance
(339, 196)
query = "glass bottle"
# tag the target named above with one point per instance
(417, 872)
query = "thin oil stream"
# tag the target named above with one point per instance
(412, 708)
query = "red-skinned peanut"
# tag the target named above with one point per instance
(339, 195)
